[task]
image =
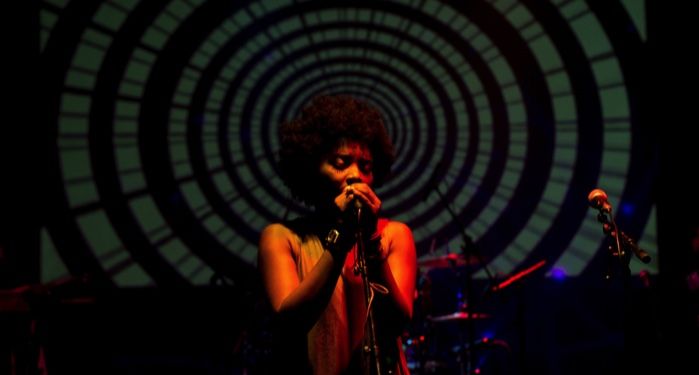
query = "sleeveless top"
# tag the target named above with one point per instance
(333, 343)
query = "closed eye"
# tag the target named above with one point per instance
(366, 166)
(341, 162)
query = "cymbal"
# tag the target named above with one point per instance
(447, 261)
(459, 316)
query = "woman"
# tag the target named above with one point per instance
(331, 158)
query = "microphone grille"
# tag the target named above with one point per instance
(596, 198)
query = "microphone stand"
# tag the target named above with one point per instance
(623, 244)
(370, 347)
(468, 248)
(610, 228)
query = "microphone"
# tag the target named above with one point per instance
(357, 204)
(598, 200)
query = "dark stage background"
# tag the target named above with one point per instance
(139, 168)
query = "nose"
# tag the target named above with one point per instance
(353, 174)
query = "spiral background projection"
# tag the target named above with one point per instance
(163, 118)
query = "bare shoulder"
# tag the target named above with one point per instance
(397, 239)
(275, 230)
(398, 228)
(275, 237)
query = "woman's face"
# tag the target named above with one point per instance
(348, 163)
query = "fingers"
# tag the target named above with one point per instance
(344, 199)
(364, 194)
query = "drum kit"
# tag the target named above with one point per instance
(448, 343)
(453, 342)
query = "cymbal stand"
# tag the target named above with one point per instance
(468, 248)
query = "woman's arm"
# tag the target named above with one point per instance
(298, 303)
(398, 271)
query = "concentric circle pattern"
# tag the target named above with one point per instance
(165, 118)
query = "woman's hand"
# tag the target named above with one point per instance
(364, 194)
(370, 203)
